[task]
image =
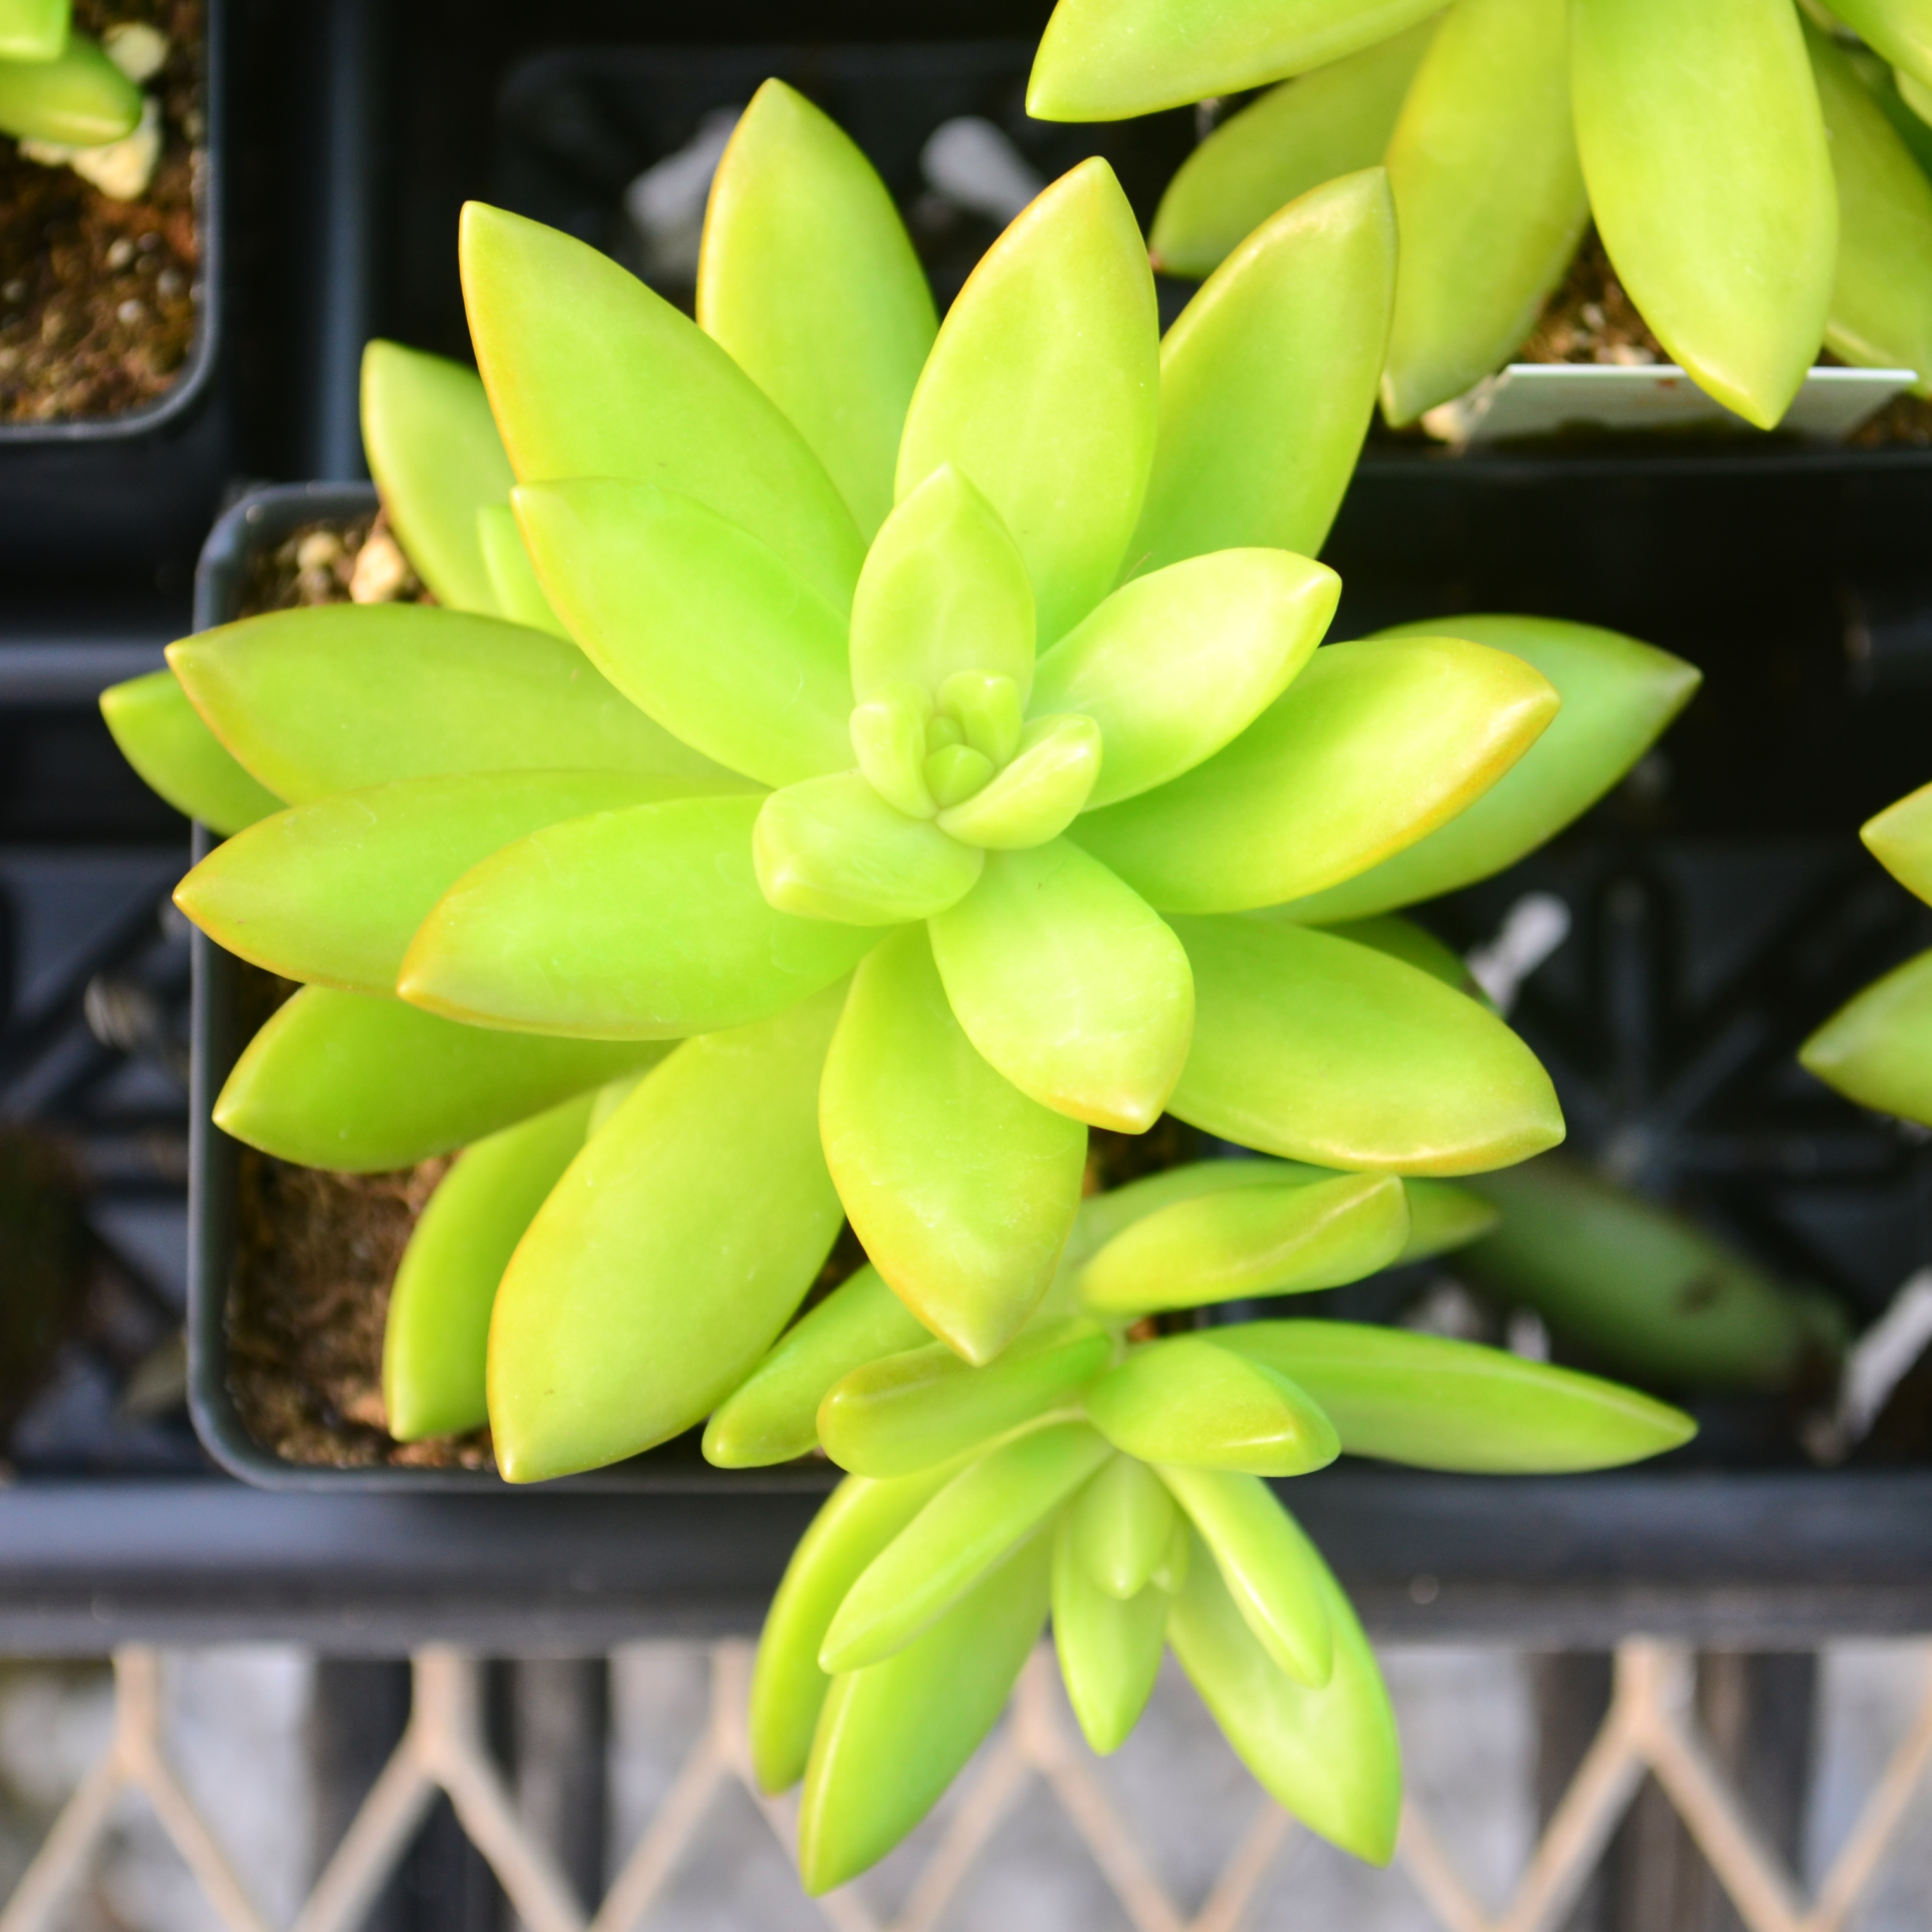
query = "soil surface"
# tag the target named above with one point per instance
(99, 300)
(1590, 318)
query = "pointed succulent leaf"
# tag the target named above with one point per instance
(670, 1255)
(433, 448)
(1289, 331)
(1122, 1523)
(888, 740)
(1443, 1216)
(809, 278)
(1109, 1648)
(1070, 984)
(34, 30)
(644, 923)
(1038, 794)
(1329, 1755)
(1900, 839)
(1102, 1217)
(513, 577)
(1044, 389)
(1184, 1401)
(334, 891)
(360, 1085)
(972, 1526)
(1618, 696)
(772, 1415)
(961, 1188)
(591, 374)
(1374, 746)
(831, 849)
(1437, 1404)
(1901, 30)
(437, 1330)
(1174, 665)
(893, 1737)
(1710, 175)
(340, 696)
(1286, 1239)
(162, 736)
(77, 98)
(1400, 938)
(699, 624)
(1307, 1046)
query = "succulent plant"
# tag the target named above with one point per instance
(924, 725)
(1752, 193)
(58, 86)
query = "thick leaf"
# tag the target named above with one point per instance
(972, 1526)
(1400, 938)
(333, 892)
(77, 98)
(1103, 60)
(1122, 1524)
(668, 1258)
(1710, 177)
(434, 452)
(809, 279)
(1373, 746)
(1443, 1216)
(162, 736)
(1173, 666)
(1070, 984)
(1103, 1215)
(1900, 839)
(344, 695)
(1284, 1239)
(591, 374)
(1288, 333)
(359, 1085)
(34, 30)
(1901, 30)
(697, 622)
(892, 1738)
(1436, 1404)
(437, 1330)
(1109, 1649)
(1331, 1756)
(772, 1415)
(1334, 122)
(1489, 195)
(641, 924)
(513, 577)
(962, 1189)
(1176, 1401)
(1308, 1046)
(1039, 795)
(1044, 388)
(1618, 698)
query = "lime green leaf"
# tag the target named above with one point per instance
(1307, 1046)
(75, 97)
(697, 622)
(641, 924)
(962, 1189)
(1710, 176)
(1038, 795)
(360, 1085)
(1443, 1216)
(1900, 839)
(1109, 1648)
(1103, 1215)
(808, 279)
(1401, 939)
(670, 1255)
(1900, 29)
(1288, 332)
(1122, 1524)
(162, 736)
(1374, 746)
(513, 578)
(591, 374)
(1618, 696)
(1044, 388)
(34, 30)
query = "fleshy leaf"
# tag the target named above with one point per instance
(1900, 29)
(437, 1330)
(641, 924)
(1038, 794)
(1710, 177)
(1400, 938)
(1289, 332)
(1618, 696)
(1104, 1215)
(513, 577)
(962, 1189)
(162, 736)
(809, 278)
(1436, 1404)
(591, 374)
(1109, 1648)
(1070, 984)
(1173, 666)
(341, 696)
(699, 624)
(1374, 746)
(1443, 1217)
(360, 1085)
(1044, 389)
(1123, 1522)
(1900, 839)
(434, 450)
(34, 30)
(77, 98)
(670, 1255)
(1308, 1046)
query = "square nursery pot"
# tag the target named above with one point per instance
(134, 492)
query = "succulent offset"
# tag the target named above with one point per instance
(1752, 179)
(57, 86)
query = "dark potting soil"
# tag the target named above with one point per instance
(1590, 318)
(100, 299)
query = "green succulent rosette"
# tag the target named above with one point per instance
(57, 85)
(849, 757)
(1747, 171)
